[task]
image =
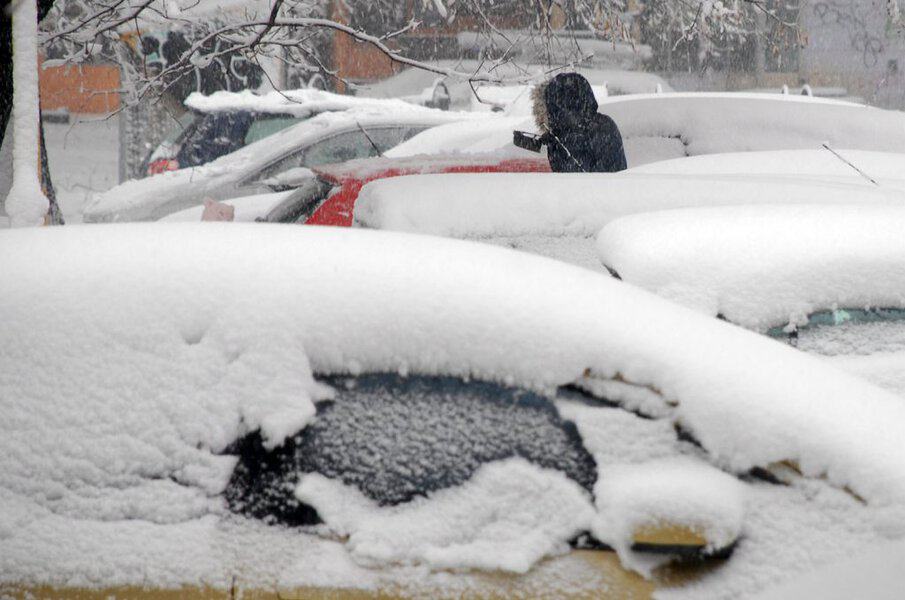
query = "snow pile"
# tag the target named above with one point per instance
(877, 573)
(298, 103)
(129, 355)
(883, 167)
(764, 266)
(506, 517)
(516, 204)
(657, 127)
(679, 492)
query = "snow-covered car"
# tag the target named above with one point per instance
(329, 196)
(457, 419)
(274, 163)
(659, 127)
(558, 214)
(829, 280)
(223, 122)
(825, 164)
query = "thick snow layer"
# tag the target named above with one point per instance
(299, 103)
(129, 355)
(764, 266)
(664, 126)
(886, 369)
(222, 179)
(248, 208)
(544, 204)
(673, 491)
(877, 573)
(507, 517)
(883, 167)
(26, 203)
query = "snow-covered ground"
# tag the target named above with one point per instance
(84, 160)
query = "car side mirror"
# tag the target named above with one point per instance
(288, 179)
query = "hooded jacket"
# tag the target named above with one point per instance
(578, 138)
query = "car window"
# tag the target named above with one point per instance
(301, 203)
(848, 331)
(216, 135)
(266, 125)
(396, 438)
(342, 147)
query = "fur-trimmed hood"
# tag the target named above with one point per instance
(566, 98)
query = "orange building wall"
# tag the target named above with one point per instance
(80, 88)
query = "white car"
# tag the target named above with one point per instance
(659, 127)
(829, 280)
(268, 165)
(558, 214)
(223, 409)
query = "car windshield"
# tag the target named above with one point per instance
(395, 438)
(848, 331)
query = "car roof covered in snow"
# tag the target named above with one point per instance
(167, 341)
(766, 265)
(486, 205)
(665, 126)
(827, 164)
(136, 199)
(299, 103)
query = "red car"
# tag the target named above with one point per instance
(329, 197)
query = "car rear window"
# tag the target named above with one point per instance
(396, 438)
(265, 125)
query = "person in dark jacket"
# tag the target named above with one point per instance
(578, 138)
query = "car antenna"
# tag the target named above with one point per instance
(373, 145)
(859, 171)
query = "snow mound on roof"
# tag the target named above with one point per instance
(880, 166)
(763, 266)
(676, 491)
(518, 204)
(298, 103)
(506, 517)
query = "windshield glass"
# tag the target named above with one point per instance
(395, 438)
(848, 331)
(266, 125)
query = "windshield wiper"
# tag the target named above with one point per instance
(373, 145)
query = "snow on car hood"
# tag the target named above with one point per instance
(153, 197)
(131, 354)
(767, 265)
(545, 204)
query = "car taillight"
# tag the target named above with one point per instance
(163, 165)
